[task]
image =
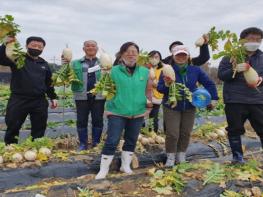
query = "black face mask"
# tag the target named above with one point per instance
(34, 52)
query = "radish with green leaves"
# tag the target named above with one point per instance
(13, 49)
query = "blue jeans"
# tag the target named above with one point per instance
(116, 124)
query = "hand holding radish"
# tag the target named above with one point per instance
(9, 39)
(206, 38)
(168, 81)
(202, 40)
(212, 105)
(64, 61)
(242, 67)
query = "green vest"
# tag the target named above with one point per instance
(77, 66)
(130, 98)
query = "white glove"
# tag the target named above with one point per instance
(242, 67)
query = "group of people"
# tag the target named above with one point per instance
(137, 95)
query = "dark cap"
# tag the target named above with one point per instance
(35, 38)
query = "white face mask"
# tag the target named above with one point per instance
(252, 46)
(154, 61)
(130, 63)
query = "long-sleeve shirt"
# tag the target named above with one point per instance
(31, 81)
(236, 90)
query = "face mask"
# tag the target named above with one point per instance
(129, 63)
(252, 46)
(154, 61)
(34, 52)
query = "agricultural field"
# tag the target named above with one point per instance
(51, 166)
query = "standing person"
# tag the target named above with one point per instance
(155, 61)
(241, 101)
(127, 108)
(29, 87)
(197, 61)
(179, 121)
(88, 71)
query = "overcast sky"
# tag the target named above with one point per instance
(152, 24)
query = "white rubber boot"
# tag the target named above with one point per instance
(180, 157)
(126, 158)
(104, 166)
(170, 160)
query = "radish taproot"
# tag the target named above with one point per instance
(212, 135)
(151, 140)
(45, 151)
(168, 72)
(221, 132)
(65, 76)
(30, 155)
(159, 140)
(251, 76)
(17, 157)
(67, 54)
(140, 137)
(199, 42)
(145, 141)
(13, 49)
(105, 60)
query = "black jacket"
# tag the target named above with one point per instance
(31, 81)
(196, 61)
(236, 90)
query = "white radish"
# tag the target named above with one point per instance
(105, 60)
(30, 155)
(159, 140)
(140, 137)
(168, 71)
(199, 42)
(10, 51)
(220, 132)
(67, 54)
(17, 157)
(1, 159)
(144, 141)
(151, 140)
(213, 135)
(9, 148)
(45, 151)
(251, 77)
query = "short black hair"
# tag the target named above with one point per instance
(175, 43)
(251, 30)
(35, 38)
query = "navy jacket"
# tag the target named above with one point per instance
(193, 75)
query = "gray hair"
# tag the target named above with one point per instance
(90, 41)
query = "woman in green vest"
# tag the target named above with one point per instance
(127, 108)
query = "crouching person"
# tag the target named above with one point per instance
(127, 108)
(179, 121)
